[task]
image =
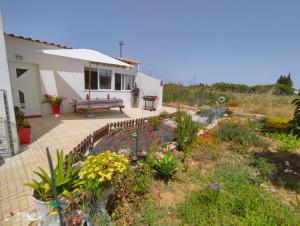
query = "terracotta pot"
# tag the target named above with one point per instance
(24, 135)
(56, 109)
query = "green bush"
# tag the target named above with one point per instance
(167, 166)
(265, 169)
(154, 122)
(240, 134)
(289, 141)
(187, 130)
(234, 200)
(142, 179)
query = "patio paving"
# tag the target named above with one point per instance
(63, 132)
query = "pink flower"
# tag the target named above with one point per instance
(139, 154)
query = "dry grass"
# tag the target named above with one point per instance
(266, 104)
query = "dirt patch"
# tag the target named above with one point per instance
(172, 193)
(287, 169)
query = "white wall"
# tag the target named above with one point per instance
(149, 86)
(65, 77)
(5, 84)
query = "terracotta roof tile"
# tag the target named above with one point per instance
(37, 40)
(128, 61)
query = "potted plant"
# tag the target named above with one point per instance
(55, 102)
(66, 177)
(23, 127)
(99, 172)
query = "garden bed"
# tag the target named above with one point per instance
(142, 137)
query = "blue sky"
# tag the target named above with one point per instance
(240, 41)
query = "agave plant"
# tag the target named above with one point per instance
(66, 179)
(167, 166)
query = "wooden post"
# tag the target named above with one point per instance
(54, 187)
(137, 141)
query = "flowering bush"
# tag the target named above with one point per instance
(103, 168)
(208, 146)
(53, 100)
(232, 104)
(278, 123)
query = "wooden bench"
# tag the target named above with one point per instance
(102, 103)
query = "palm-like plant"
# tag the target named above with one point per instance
(167, 166)
(296, 120)
(66, 179)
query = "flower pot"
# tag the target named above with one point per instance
(106, 193)
(24, 135)
(43, 213)
(56, 109)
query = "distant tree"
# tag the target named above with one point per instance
(286, 80)
(285, 85)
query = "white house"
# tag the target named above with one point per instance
(8, 133)
(38, 67)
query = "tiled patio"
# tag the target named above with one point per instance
(63, 132)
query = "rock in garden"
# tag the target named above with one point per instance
(170, 122)
(124, 151)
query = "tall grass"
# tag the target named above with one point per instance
(266, 104)
(259, 103)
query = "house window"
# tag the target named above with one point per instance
(118, 81)
(128, 82)
(20, 72)
(105, 79)
(94, 78)
(124, 82)
(22, 99)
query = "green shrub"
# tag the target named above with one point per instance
(240, 134)
(265, 169)
(164, 114)
(256, 124)
(238, 202)
(142, 179)
(289, 141)
(187, 130)
(154, 122)
(167, 166)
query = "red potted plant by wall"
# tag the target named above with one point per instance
(55, 102)
(23, 127)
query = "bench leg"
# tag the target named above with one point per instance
(121, 110)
